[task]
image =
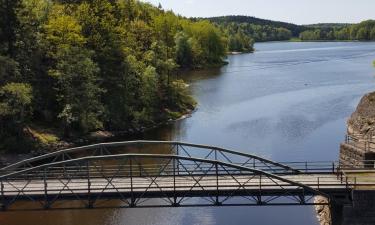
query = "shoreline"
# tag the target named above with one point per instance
(92, 138)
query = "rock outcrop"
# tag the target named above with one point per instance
(323, 212)
(359, 148)
(362, 121)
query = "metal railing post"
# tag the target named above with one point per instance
(46, 202)
(178, 164)
(3, 205)
(346, 183)
(90, 205)
(132, 200)
(217, 184)
(341, 176)
(318, 183)
(174, 183)
(260, 190)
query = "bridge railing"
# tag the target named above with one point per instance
(133, 180)
(367, 144)
(155, 147)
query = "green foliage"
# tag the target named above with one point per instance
(207, 41)
(364, 31)
(243, 31)
(259, 23)
(82, 65)
(9, 24)
(180, 96)
(15, 101)
(9, 70)
(184, 53)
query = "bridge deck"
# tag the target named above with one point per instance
(165, 184)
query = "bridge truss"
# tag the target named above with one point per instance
(148, 180)
(158, 147)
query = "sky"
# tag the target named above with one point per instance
(293, 11)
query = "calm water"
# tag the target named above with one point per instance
(287, 102)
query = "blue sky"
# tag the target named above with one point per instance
(295, 11)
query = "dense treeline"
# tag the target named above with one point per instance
(243, 31)
(364, 31)
(260, 30)
(257, 32)
(295, 29)
(87, 65)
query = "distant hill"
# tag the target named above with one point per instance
(262, 30)
(294, 28)
(328, 25)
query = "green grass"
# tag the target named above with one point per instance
(295, 39)
(43, 136)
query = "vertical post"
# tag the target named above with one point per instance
(3, 207)
(333, 167)
(346, 182)
(318, 184)
(90, 205)
(178, 166)
(215, 154)
(341, 174)
(132, 200)
(217, 184)
(306, 167)
(46, 206)
(260, 190)
(174, 183)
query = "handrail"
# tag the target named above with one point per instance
(361, 142)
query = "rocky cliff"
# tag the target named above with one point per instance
(362, 121)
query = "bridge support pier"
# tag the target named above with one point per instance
(336, 211)
(361, 212)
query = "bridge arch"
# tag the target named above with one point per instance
(176, 148)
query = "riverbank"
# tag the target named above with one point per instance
(49, 140)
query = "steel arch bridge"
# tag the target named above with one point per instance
(136, 178)
(187, 175)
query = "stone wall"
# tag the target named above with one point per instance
(354, 156)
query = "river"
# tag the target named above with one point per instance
(287, 102)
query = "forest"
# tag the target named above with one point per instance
(364, 31)
(257, 30)
(260, 30)
(78, 66)
(72, 67)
